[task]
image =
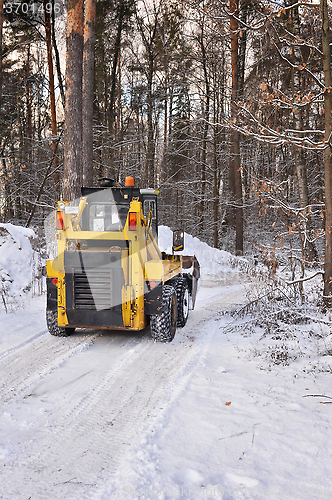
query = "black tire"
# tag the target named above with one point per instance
(163, 326)
(54, 328)
(182, 294)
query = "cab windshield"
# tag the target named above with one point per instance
(107, 216)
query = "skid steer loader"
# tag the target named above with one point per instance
(108, 271)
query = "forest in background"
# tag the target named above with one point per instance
(223, 106)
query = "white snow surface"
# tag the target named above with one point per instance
(111, 415)
(212, 261)
(16, 259)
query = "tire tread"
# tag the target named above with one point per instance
(54, 328)
(160, 324)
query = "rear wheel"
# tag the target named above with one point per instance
(182, 293)
(163, 326)
(54, 328)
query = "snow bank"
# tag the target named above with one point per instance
(16, 260)
(211, 260)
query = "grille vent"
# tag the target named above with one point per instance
(93, 289)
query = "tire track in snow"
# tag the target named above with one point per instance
(12, 350)
(23, 367)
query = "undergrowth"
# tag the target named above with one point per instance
(286, 323)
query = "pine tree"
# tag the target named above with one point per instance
(72, 166)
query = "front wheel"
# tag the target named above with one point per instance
(163, 326)
(54, 328)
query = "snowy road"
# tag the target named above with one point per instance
(73, 409)
(110, 416)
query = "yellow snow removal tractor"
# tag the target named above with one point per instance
(108, 271)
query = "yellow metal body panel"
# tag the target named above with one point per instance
(162, 270)
(62, 316)
(50, 270)
(154, 270)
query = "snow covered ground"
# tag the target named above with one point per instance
(222, 412)
(20, 265)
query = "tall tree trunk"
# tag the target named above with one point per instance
(8, 196)
(150, 149)
(243, 45)
(327, 153)
(29, 101)
(165, 135)
(116, 60)
(215, 185)
(149, 42)
(26, 131)
(233, 25)
(310, 252)
(205, 131)
(88, 89)
(57, 59)
(218, 112)
(119, 125)
(48, 30)
(235, 174)
(72, 166)
(1, 25)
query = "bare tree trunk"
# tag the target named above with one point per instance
(167, 125)
(149, 37)
(8, 200)
(56, 177)
(1, 25)
(242, 45)
(310, 252)
(119, 123)
(165, 134)
(215, 188)
(234, 56)
(236, 188)
(150, 149)
(29, 101)
(72, 166)
(116, 60)
(218, 111)
(327, 153)
(57, 59)
(88, 89)
(205, 130)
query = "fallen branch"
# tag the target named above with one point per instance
(255, 301)
(300, 280)
(317, 396)
(4, 300)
